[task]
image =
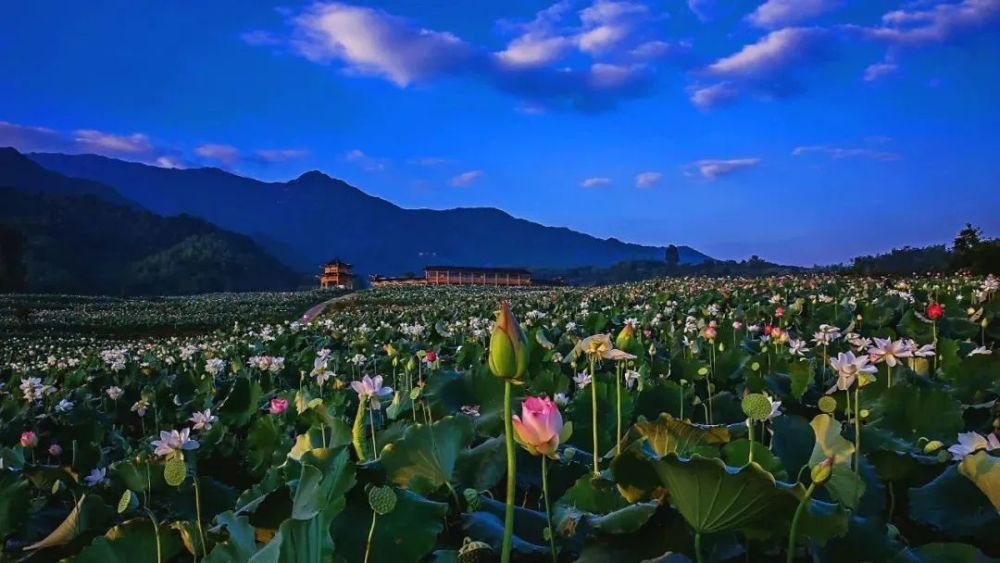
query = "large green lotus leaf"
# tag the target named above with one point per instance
(942, 553)
(323, 479)
(983, 470)
(737, 453)
(407, 534)
(801, 375)
(792, 442)
(634, 474)
(624, 520)
(240, 544)
(667, 435)
(904, 466)
(579, 413)
(594, 496)
(130, 542)
(829, 441)
(486, 525)
(954, 504)
(867, 539)
(326, 475)
(240, 404)
(424, 459)
(261, 443)
(90, 513)
(714, 497)
(14, 498)
(138, 475)
(663, 397)
(912, 412)
(482, 466)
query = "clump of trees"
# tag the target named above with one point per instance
(970, 252)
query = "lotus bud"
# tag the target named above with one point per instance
(624, 338)
(29, 439)
(652, 350)
(411, 363)
(508, 358)
(821, 473)
(391, 350)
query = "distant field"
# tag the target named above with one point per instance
(61, 315)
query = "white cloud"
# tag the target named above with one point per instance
(701, 9)
(280, 155)
(260, 37)
(647, 179)
(466, 178)
(713, 168)
(778, 13)
(369, 163)
(775, 52)
(918, 24)
(375, 42)
(880, 70)
(594, 182)
(714, 95)
(226, 154)
(92, 139)
(838, 152)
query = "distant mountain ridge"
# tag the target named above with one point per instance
(82, 237)
(314, 217)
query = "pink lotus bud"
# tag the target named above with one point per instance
(540, 427)
(29, 439)
(278, 405)
(779, 311)
(55, 450)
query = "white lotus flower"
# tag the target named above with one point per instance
(203, 420)
(848, 367)
(173, 441)
(97, 476)
(889, 351)
(981, 351)
(582, 379)
(371, 388)
(970, 442)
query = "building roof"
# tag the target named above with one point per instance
(479, 270)
(337, 262)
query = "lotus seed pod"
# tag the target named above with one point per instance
(756, 407)
(932, 446)
(175, 471)
(475, 552)
(472, 499)
(382, 500)
(624, 339)
(827, 404)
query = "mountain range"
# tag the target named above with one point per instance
(67, 235)
(310, 219)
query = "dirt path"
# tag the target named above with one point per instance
(317, 310)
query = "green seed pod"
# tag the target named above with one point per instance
(932, 446)
(756, 407)
(382, 500)
(475, 552)
(827, 404)
(624, 339)
(175, 471)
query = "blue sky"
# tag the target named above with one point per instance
(804, 131)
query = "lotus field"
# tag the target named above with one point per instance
(784, 419)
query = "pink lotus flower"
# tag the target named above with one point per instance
(540, 427)
(278, 405)
(29, 439)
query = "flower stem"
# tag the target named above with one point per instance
(548, 510)
(371, 418)
(697, 548)
(197, 509)
(793, 532)
(156, 532)
(593, 414)
(750, 435)
(618, 391)
(508, 521)
(371, 535)
(857, 439)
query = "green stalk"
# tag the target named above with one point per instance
(371, 534)
(548, 510)
(618, 391)
(888, 370)
(508, 521)
(197, 509)
(795, 522)
(857, 437)
(156, 532)
(750, 435)
(371, 417)
(593, 415)
(697, 548)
